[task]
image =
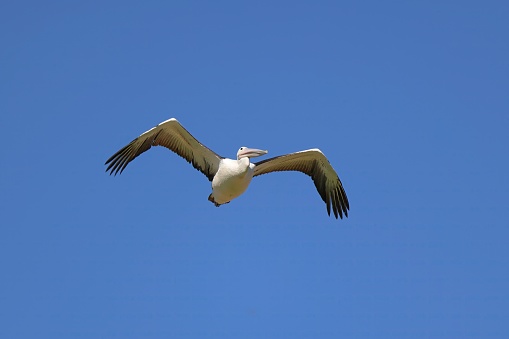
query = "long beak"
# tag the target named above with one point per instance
(252, 152)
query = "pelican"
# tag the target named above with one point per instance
(230, 178)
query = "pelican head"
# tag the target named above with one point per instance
(246, 152)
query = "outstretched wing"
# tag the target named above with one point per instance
(173, 136)
(313, 163)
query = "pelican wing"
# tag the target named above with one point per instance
(173, 136)
(313, 163)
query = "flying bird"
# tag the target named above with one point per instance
(231, 177)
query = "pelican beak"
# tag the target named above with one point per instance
(251, 152)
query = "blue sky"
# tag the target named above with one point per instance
(408, 100)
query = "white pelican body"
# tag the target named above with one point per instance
(230, 178)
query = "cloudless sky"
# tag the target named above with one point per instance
(409, 100)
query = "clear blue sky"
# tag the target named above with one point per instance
(408, 100)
